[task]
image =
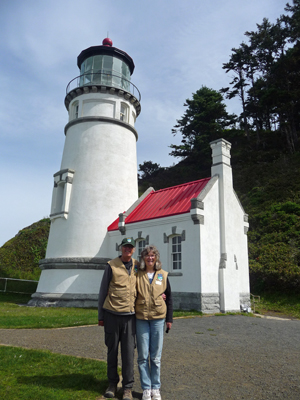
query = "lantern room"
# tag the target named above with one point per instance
(107, 67)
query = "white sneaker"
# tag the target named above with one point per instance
(146, 394)
(155, 394)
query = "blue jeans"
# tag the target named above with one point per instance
(149, 337)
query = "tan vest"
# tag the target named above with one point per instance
(150, 304)
(122, 288)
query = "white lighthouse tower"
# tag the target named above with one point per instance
(97, 179)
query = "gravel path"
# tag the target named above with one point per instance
(207, 358)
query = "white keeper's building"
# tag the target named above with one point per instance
(200, 227)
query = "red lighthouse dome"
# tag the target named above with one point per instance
(107, 42)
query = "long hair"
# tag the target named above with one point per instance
(146, 251)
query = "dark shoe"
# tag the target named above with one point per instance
(110, 391)
(127, 394)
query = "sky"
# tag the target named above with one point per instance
(177, 47)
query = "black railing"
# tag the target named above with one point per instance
(103, 79)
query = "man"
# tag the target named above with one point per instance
(116, 313)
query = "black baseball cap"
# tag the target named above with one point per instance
(128, 241)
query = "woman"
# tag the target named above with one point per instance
(151, 311)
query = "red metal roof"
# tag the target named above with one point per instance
(164, 203)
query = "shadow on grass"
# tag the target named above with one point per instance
(66, 381)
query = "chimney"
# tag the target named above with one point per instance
(221, 167)
(221, 160)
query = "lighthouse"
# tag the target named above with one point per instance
(97, 179)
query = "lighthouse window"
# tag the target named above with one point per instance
(124, 112)
(125, 76)
(89, 64)
(59, 198)
(97, 63)
(88, 68)
(107, 63)
(61, 193)
(107, 68)
(97, 68)
(125, 71)
(117, 67)
(75, 110)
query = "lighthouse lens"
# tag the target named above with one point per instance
(105, 70)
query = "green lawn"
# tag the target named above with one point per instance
(41, 375)
(15, 314)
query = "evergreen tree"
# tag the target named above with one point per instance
(293, 21)
(241, 65)
(203, 121)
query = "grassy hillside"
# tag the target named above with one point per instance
(19, 256)
(270, 194)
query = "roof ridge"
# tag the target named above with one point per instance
(181, 184)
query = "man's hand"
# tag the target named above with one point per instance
(100, 323)
(169, 325)
(164, 296)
